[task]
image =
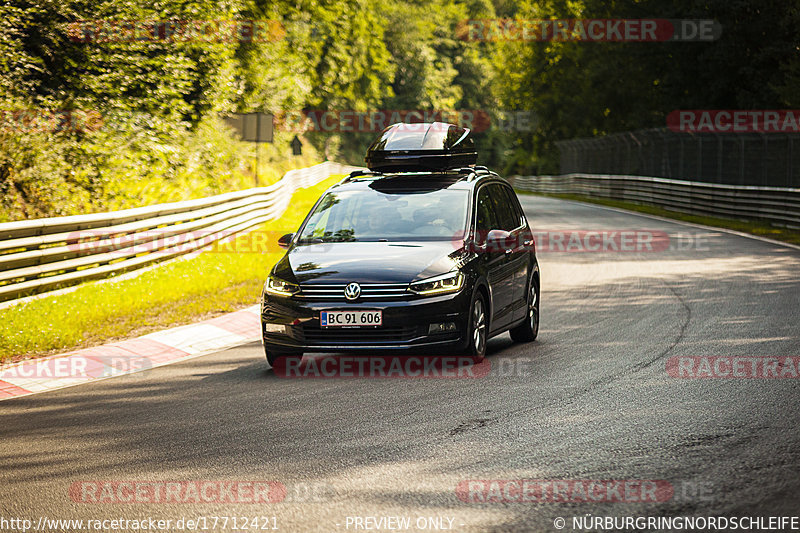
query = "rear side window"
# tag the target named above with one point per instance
(517, 210)
(504, 208)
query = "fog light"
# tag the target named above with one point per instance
(442, 327)
(274, 328)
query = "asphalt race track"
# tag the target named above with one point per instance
(591, 399)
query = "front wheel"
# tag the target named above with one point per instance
(529, 329)
(478, 329)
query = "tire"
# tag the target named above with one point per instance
(478, 331)
(273, 356)
(529, 329)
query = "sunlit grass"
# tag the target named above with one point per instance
(174, 293)
(762, 229)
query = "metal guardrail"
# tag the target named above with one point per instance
(49, 253)
(755, 159)
(777, 205)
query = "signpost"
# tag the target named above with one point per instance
(297, 146)
(252, 127)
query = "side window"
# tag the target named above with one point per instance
(512, 198)
(506, 211)
(484, 215)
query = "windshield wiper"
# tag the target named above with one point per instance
(323, 240)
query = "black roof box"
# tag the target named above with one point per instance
(424, 146)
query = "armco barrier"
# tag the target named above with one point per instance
(777, 205)
(44, 254)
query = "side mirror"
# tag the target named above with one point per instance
(286, 240)
(499, 240)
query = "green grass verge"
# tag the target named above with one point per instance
(175, 293)
(762, 229)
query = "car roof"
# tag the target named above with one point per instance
(460, 178)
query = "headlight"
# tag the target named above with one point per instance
(279, 287)
(450, 282)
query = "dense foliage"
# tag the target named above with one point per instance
(593, 88)
(160, 101)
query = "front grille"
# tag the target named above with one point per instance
(369, 291)
(367, 335)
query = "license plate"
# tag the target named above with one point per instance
(328, 319)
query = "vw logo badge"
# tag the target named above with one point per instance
(352, 291)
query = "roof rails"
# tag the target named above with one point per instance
(473, 173)
(359, 173)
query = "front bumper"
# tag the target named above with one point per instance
(405, 324)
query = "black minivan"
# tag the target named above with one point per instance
(425, 251)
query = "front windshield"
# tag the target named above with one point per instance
(371, 215)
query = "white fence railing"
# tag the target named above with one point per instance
(48, 253)
(778, 205)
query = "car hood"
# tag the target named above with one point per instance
(367, 262)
